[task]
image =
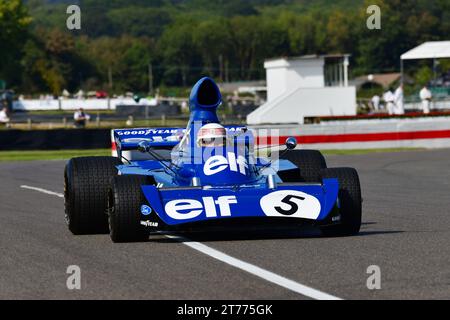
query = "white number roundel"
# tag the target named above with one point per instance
(290, 203)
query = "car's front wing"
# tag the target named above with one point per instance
(186, 205)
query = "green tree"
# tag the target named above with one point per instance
(306, 33)
(404, 25)
(179, 53)
(268, 40)
(423, 75)
(341, 31)
(51, 60)
(212, 39)
(122, 60)
(138, 21)
(34, 65)
(187, 39)
(14, 21)
(136, 60)
(245, 34)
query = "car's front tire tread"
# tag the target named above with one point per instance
(125, 200)
(350, 201)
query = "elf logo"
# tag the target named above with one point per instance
(184, 209)
(216, 164)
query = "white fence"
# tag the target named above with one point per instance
(430, 132)
(435, 105)
(73, 104)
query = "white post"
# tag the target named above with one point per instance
(401, 71)
(336, 74)
(346, 63)
(339, 67)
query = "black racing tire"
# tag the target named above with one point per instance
(310, 163)
(86, 184)
(350, 202)
(124, 208)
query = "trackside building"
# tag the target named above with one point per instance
(305, 86)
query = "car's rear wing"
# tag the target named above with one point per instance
(128, 139)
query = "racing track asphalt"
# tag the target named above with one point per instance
(405, 231)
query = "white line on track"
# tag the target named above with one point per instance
(237, 263)
(60, 195)
(255, 270)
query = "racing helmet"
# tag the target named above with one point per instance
(211, 135)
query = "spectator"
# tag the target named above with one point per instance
(398, 96)
(4, 118)
(376, 102)
(184, 106)
(389, 98)
(80, 118)
(425, 96)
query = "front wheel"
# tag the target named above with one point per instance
(124, 208)
(350, 202)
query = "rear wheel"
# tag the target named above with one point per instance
(350, 202)
(309, 162)
(124, 208)
(86, 184)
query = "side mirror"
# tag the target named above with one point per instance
(144, 146)
(291, 143)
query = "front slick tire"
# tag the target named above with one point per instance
(124, 203)
(349, 200)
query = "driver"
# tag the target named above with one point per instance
(212, 135)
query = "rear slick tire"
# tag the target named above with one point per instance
(86, 184)
(310, 163)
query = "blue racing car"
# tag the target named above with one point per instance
(206, 175)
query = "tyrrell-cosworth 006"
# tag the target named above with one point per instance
(206, 175)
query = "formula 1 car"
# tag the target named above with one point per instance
(203, 175)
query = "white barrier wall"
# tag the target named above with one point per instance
(433, 132)
(295, 105)
(435, 105)
(74, 104)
